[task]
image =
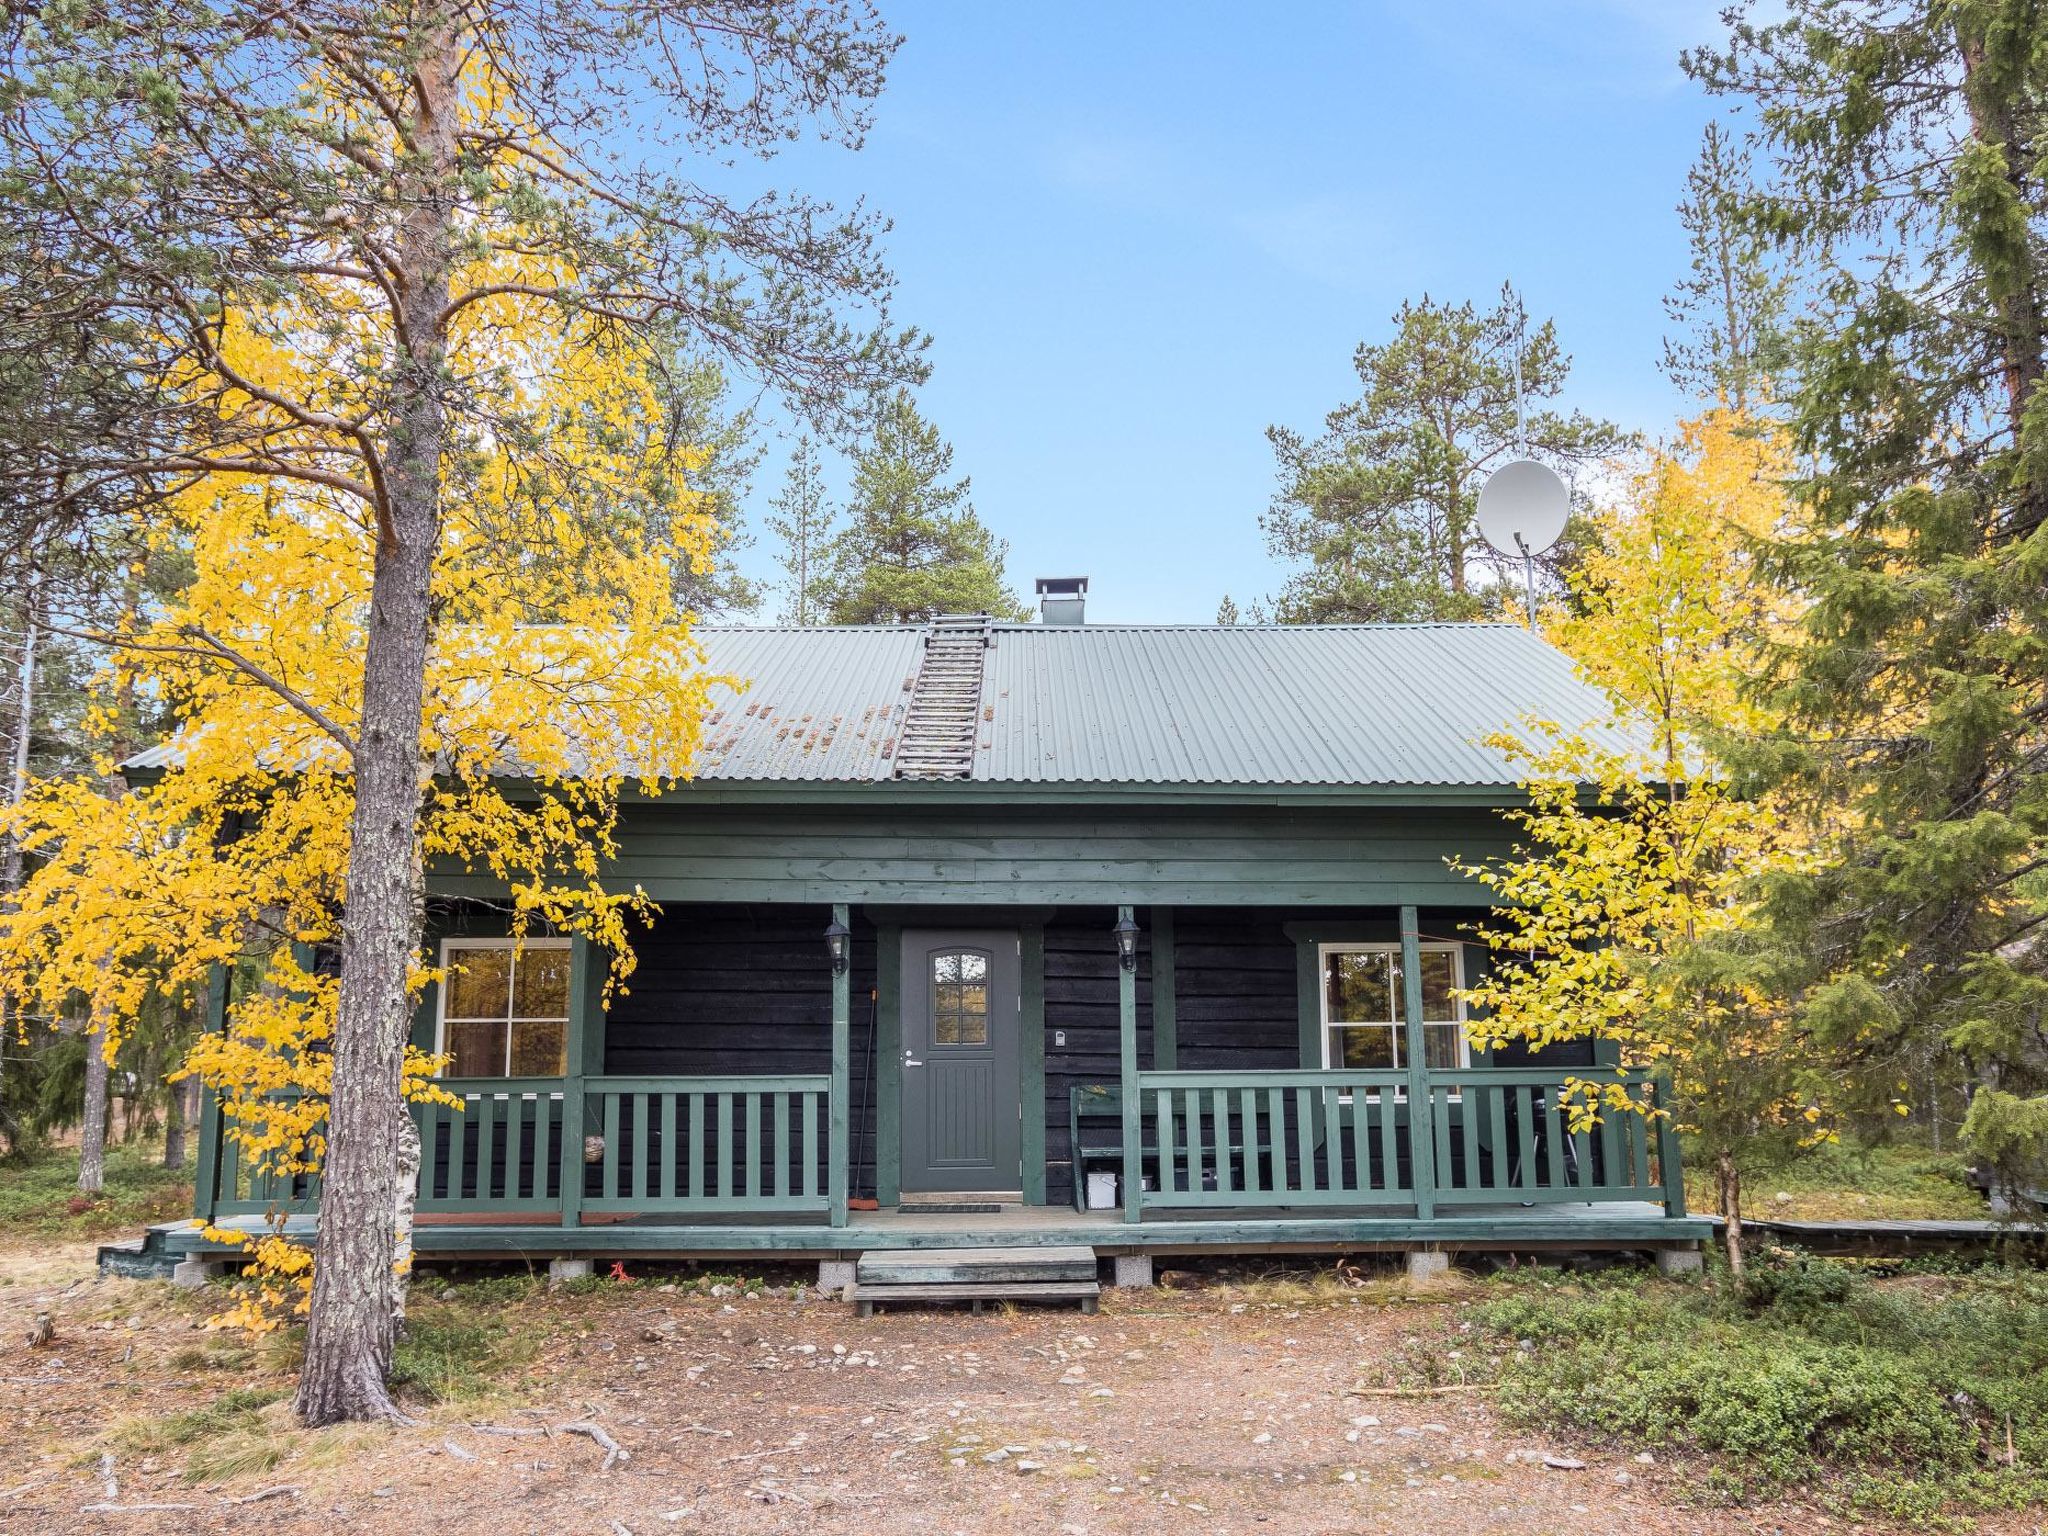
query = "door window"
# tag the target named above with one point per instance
(959, 997)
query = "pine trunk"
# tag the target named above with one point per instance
(92, 1126)
(351, 1327)
(1728, 1184)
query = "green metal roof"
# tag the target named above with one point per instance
(1338, 706)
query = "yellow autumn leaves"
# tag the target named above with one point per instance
(1622, 917)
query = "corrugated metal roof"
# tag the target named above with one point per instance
(1339, 704)
(1327, 705)
(818, 704)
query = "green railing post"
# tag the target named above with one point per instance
(1668, 1163)
(586, 1003)
(213, 1011)
(840, 1100)
(1127, 1029)
(1421, 1105)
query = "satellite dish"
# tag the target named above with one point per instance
(1522, 508)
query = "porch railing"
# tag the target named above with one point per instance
(1492, 1135)
(708, 1143)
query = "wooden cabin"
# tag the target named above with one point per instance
(1143, 937)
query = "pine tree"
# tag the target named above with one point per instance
(1900, 160)
(1378, 510)
(803, 521)
(1730, 306)
(913, 547)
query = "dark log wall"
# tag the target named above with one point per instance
(1081, 1003)
(746, 988)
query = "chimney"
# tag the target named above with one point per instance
(1062, 599)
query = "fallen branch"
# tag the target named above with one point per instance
(1463, 1386)
(131, 1509)
(458, 1452)
(705, 1429)
(595, 1433)
(779, 1450)
(509, 1429)
(281, 1491)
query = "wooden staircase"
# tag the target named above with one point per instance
(919, 1277)
(937, 739)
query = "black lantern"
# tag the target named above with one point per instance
(1126, 943)
(838, 944)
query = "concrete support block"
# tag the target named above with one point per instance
(568, 1269)
(1426, 1264)
(1681, 1263)
(1133, 1270)
(835, 1276)
(193, 1273)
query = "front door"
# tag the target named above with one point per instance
(960, 1086)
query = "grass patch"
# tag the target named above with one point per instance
(1906, 1397)
(453, 1350)
(234, 1411)
(1841, 1181)
(39, 1193)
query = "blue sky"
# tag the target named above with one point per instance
(1140, 233)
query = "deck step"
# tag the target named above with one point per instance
(866, 1297)
(975, 1266)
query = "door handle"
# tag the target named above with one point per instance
(911, 1061)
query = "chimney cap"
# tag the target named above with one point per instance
(1061, 586)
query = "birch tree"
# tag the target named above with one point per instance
(318, 220)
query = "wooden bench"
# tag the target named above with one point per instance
(1099, 1102)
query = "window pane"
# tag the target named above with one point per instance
(1443, 1042)
(540, 1048)
(479, 982)
(960, 998)
(476, 1049)
(1370, 1046)
(1439, 976)
(1356, 986)
(540, 984)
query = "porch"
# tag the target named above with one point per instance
(596, 1161)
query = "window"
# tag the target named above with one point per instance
(959, 997)
(505, 1007)
(1362, 1010)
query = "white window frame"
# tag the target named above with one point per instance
(449, 947)
(1382, 947)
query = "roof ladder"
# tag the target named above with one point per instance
(937, 739)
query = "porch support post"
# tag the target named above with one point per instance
(842, 1075)
(1668, 1162)
(206, 1169)
(1421, 1104)
(585, 1057)
(1165, 1019)
(1127, 1029)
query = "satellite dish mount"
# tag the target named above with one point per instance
(1523, 505)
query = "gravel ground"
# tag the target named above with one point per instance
(1217, 1410)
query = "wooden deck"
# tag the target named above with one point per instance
(1500, 1227)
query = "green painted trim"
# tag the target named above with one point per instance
(1254, 887)
(888, 1062)
(1521, 1229)
(1668, 1162)
(840, 1105)
(1127, 1032)
(1031, 1058)
(586, 1005)
(1165, 1005)
(206, 1165)
(1421, 1138)
(1308, 1002)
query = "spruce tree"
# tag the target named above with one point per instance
(1900, 160)
(1377, 512)
(912, 546)
(1730, 307)
(802, 521)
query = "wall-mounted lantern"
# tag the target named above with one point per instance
(1126, 943)
(839, 945)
